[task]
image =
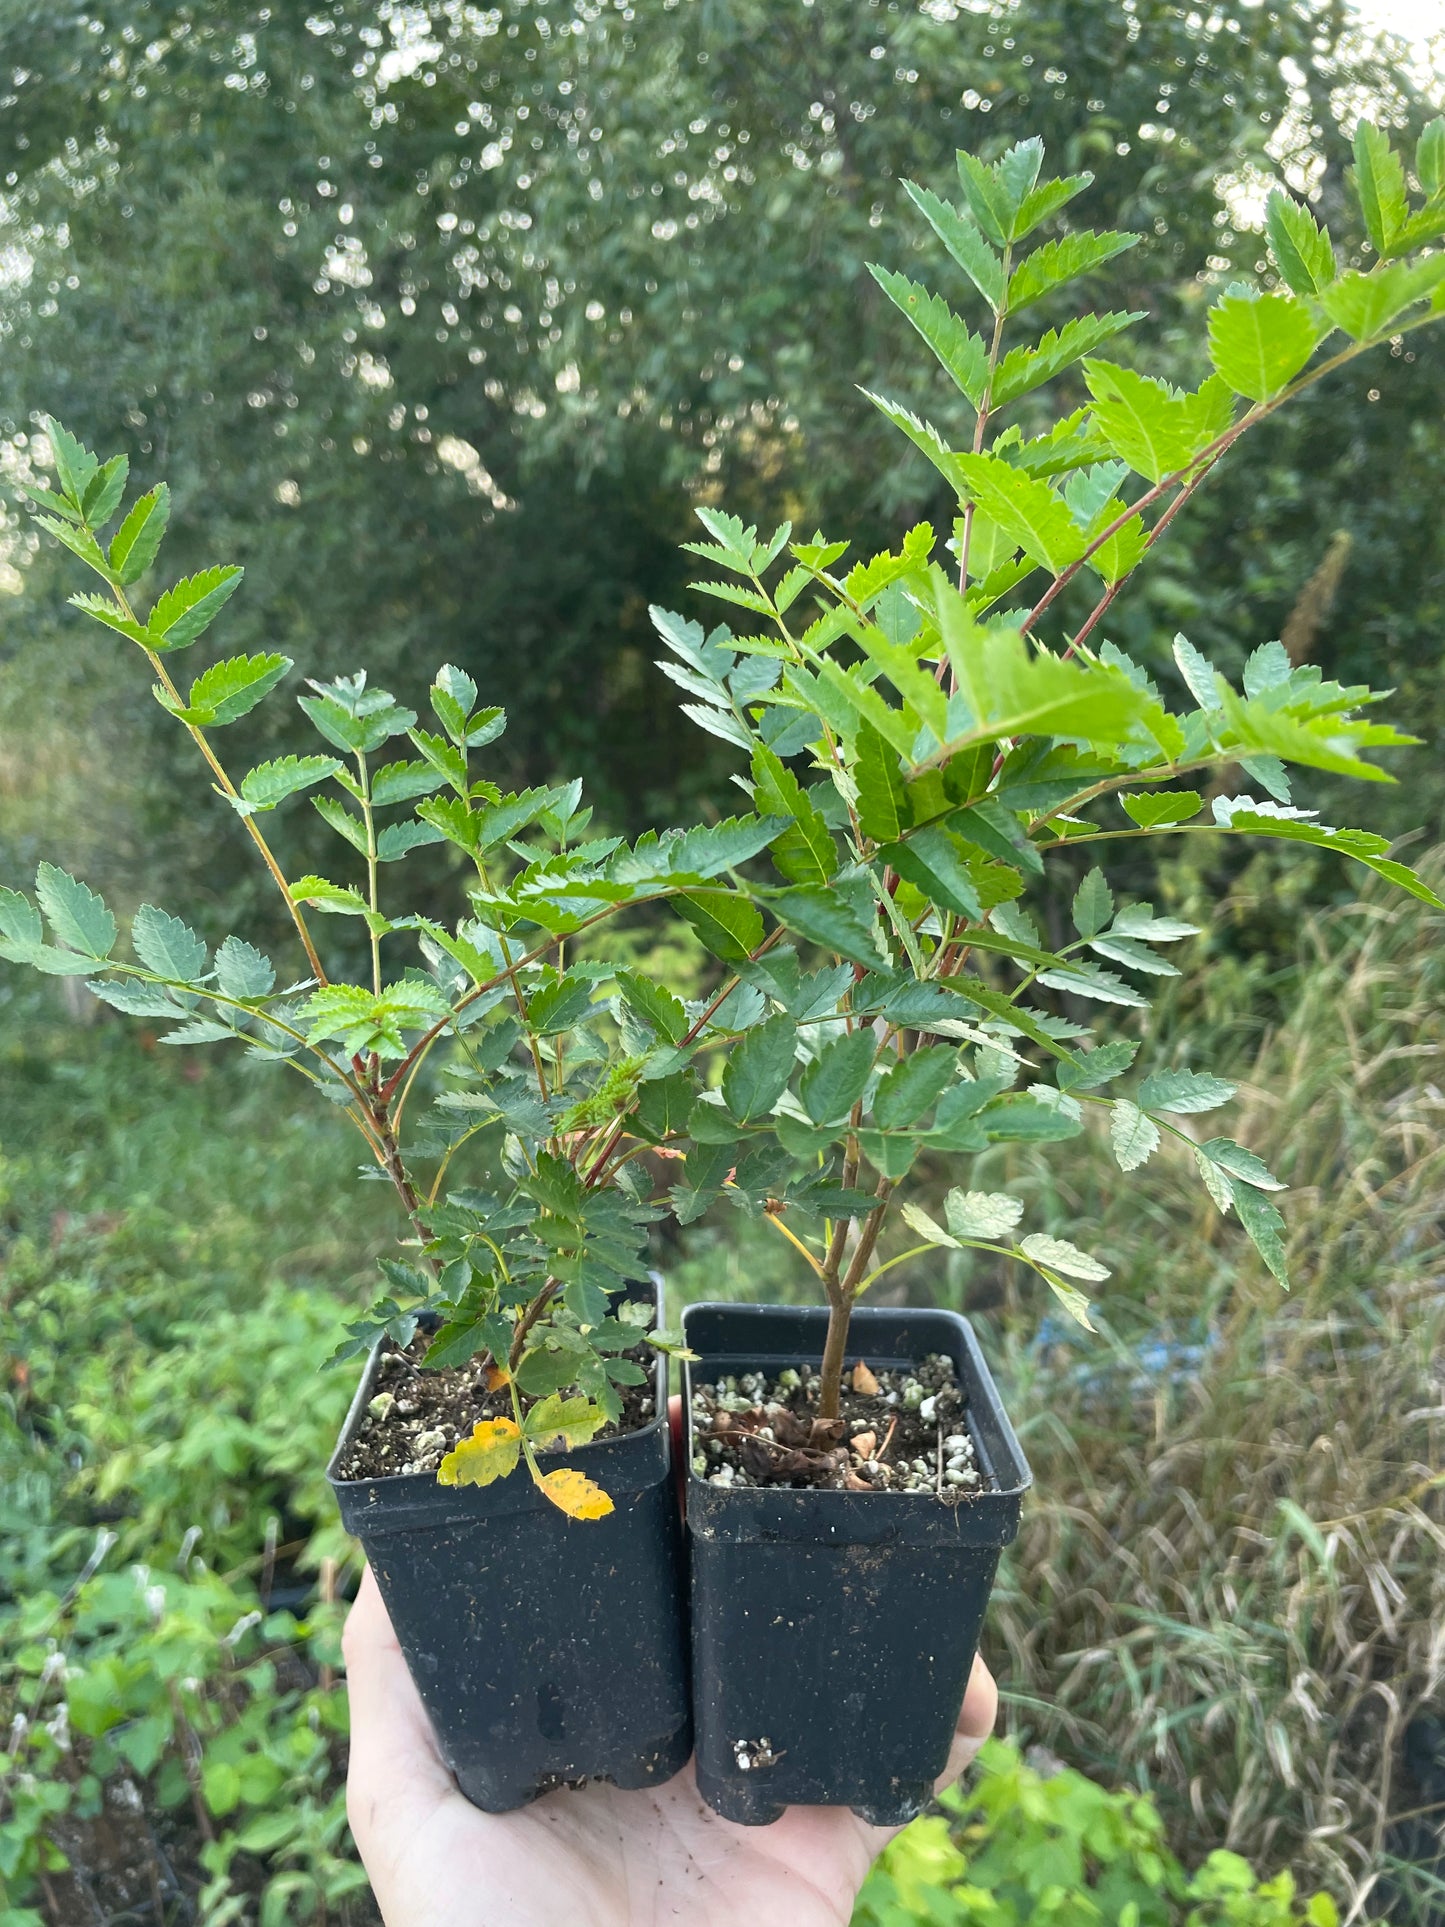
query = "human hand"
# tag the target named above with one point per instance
(596, 1854)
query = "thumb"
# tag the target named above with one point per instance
(393, 1749)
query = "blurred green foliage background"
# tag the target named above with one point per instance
(442, 317)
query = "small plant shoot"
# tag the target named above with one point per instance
(917, 740)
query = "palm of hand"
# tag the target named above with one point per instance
(597, 1855)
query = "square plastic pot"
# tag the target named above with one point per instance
(833, 1632)
(546, 1650)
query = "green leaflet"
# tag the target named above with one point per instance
(74, 463)
(913, 1085)
(961, 352)
(1152, 809)
(166, 945)
(1156, 429)
(1259, 343)
(725, 922)
(268, 784)
(1028, 510)
(924, 436)
(805, 853)
(1135, 1137)
(1057, 263)
(1184, 1092)
(960, 234)
(1024, 369)
(883, 808)
(654, 1004)
(933, 860)
(1362, 845)
(1364, 305)
(1330, 741)
(101, 608)
(227, 690)
(1378, 178)
(1264, 1225)
(1301, 248)
(835, 1080)
(188, 610)
(243, 972)
(758, 1070)
(76, 915)
(1093, 904)
(837, 919)
(1014, 692)
(134, 545)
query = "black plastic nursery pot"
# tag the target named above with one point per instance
(546, 1650)
(833, 1632)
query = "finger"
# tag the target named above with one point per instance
(975, 1723)
(392, 1744)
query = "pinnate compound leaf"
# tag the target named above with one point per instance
(1259, 343)
(166, 945)
(268, 784)
(490, 1453)
(1183, 1092)
(134, 545)
(1057, 1254)
(76, 915)
(188, 610)
(982, 1214)
(1134, 1136)
(575, 1494)
(1300, 246)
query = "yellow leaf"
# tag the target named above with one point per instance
(490, 1453)
(496, 1376)
(576, 1495)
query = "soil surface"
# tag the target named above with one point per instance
(903, 1430)
(416, 1417)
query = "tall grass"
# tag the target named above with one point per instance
(1230, 1583)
